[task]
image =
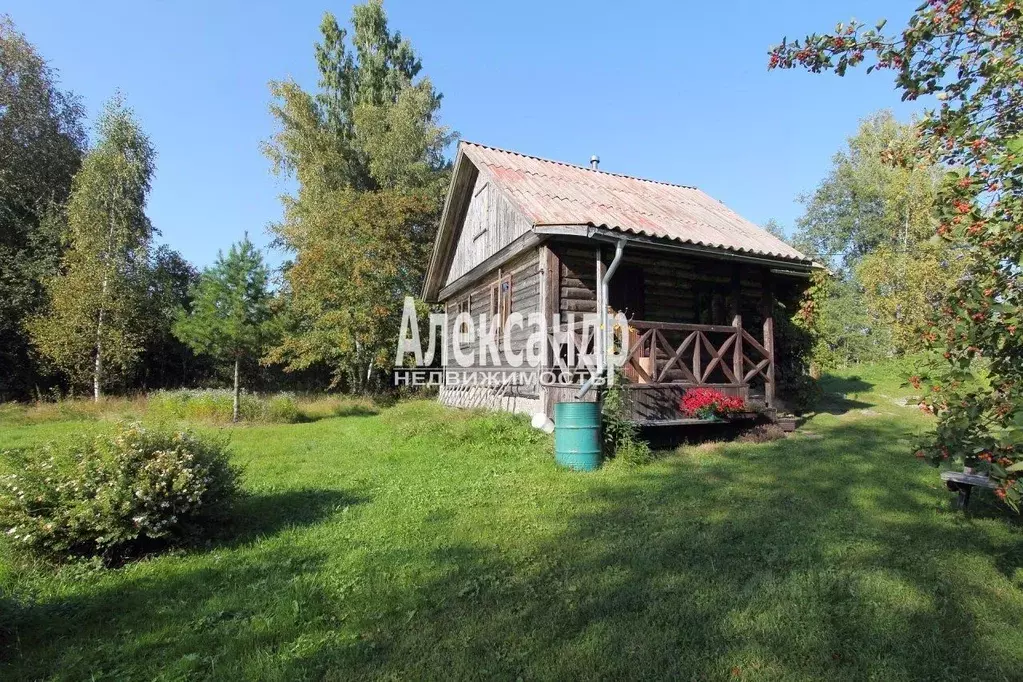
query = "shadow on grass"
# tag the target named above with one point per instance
(837, 384)
(796, 559)
(791, 560)
(181, 603)
(262, 514)
(833, 398)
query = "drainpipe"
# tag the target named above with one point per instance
(600, 345)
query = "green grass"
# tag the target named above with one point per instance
(416, 542)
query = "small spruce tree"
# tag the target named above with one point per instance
(230, 315)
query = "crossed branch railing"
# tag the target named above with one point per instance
(653, 358)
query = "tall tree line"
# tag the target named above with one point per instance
(90, 302)
(42, 141)
(86, 299)
(367, 151)
(871, 222)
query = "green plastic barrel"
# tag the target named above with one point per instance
(577, 435)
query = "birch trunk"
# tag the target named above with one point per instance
(234, 416)
(97, 370)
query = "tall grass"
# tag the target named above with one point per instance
(200, 405)
(72, 410)
(217, 405)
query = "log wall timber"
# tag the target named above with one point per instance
(578, 275)
(521, 392)
(491, 223)
(677, 287)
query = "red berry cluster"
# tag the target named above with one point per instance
(707, 402)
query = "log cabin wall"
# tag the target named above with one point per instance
(578, 285)
(521, 395)
(676, 287)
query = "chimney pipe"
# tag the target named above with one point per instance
(594, 162)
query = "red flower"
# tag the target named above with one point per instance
(707, 402)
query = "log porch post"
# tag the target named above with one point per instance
(550, 306)
(767, 307)
(737, 368)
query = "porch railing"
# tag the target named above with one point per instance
(663, 354)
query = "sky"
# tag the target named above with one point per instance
(672, 91)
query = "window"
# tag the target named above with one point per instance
(483, 210)
(500, 302)
(464, 306)
(626, 292)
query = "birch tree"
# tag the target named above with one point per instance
(91, 329)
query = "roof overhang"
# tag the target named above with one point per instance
(605, 234)
(456, 204)
(463, 176)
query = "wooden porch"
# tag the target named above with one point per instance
(694, 323)
(666, 359)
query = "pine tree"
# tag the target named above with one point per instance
(230, 317)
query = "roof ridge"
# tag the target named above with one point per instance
(575, 165)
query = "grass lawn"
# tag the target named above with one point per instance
(422, 543)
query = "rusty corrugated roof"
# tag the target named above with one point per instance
(556, 193)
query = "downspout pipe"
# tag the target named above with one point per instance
(601, 338)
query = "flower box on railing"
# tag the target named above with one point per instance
(709, 404)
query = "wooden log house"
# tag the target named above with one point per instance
(698, 283)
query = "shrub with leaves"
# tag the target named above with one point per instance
(116, 495)
(621, 435)
(966, 55)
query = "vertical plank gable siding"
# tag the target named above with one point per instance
(491, 223)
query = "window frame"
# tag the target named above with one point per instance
(464, 305)
(500, 302)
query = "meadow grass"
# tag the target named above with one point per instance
(200, 406)
(420, 542)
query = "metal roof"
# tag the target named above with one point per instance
(556, 193)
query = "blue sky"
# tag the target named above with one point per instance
(673, 91)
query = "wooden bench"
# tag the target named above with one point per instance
(964, 483)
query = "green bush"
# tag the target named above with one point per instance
(621, 435)
(217, 405)
(118, 494)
